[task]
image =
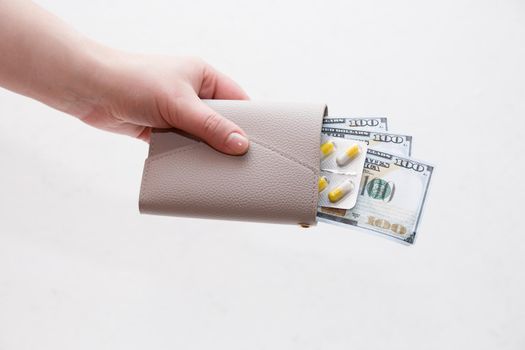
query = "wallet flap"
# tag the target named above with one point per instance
(276, 181)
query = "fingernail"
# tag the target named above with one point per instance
(237, 143)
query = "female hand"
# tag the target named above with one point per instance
(45, 59)
(133, 93)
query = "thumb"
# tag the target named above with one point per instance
(219, 132)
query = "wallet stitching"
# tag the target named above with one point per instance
(151, 159)
(265, 145)
(268, 147)
(315, 198)
(295, 160)
(175, 151)
(276, 150)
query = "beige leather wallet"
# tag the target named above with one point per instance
(276, 181)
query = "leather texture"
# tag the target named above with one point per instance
(275, 181)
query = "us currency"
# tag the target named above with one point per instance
(391, 197)
(380, 141)
(365, 123)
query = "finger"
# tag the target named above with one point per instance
(136, 131)
(145, 134)
(216, 85)
(197, 118)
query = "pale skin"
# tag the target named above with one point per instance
(45, 59)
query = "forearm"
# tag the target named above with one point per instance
(43, 58)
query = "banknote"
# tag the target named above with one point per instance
(364, 123)
(380, 141)
(391, 197)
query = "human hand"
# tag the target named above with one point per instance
(43, 58)
(133, 93)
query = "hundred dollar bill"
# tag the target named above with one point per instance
(365, 123)
(380, 141)
(391, 197)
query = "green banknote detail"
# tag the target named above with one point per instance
(391, 197)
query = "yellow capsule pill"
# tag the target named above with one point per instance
(349, 154)
(327, 148)
(323, 182)
(340, 191)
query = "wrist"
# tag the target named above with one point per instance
(86, 79)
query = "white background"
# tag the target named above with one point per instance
(81, 269)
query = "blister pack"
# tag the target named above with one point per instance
(342, 163)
